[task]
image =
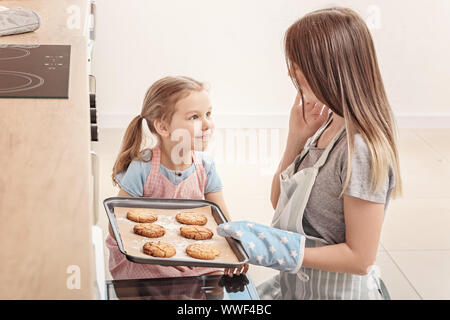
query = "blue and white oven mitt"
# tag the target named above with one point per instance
(266, 246)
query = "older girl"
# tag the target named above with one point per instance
(339, 169)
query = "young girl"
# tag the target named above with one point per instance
(339, 168)
(177, 110)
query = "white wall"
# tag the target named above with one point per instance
(236, 46)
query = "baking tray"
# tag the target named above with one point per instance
(174, 204)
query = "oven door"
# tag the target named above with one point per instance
(208, 287)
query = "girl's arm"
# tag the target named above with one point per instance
(363, 221)
(217, 198)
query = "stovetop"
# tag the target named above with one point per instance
(34, 71)
(208, 287)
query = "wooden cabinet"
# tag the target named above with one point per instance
(45, 193)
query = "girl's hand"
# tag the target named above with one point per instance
(241, 270)
(315, 115)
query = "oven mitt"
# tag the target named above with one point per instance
(266, 246)
(19, 20)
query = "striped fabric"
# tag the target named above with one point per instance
(311, 284)
(158, 186)
(326, 285)
(321, 285)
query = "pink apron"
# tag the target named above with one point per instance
(158, 186)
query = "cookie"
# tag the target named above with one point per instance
(159, 249)
(202, 251)
(141, 216)
(149, 230)
(191, 218)
(196, 232)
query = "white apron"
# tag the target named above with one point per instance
(295, 189)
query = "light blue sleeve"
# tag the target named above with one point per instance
(213, 181)
(133, 179)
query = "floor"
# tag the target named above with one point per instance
(414, 253)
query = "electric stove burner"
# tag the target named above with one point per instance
(13, 53)
(34, 71)
(19, 81)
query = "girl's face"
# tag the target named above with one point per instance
(308, 95)
(192, 121)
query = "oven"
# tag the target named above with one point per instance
(207, 287)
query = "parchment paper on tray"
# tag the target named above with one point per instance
(231, 251)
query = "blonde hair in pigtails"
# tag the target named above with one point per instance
(131, 146)
(159, 103)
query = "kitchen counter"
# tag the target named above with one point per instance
(45, 184)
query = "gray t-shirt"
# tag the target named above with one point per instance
(324, 212)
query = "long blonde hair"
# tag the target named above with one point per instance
(159, 103)
(334, 50)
